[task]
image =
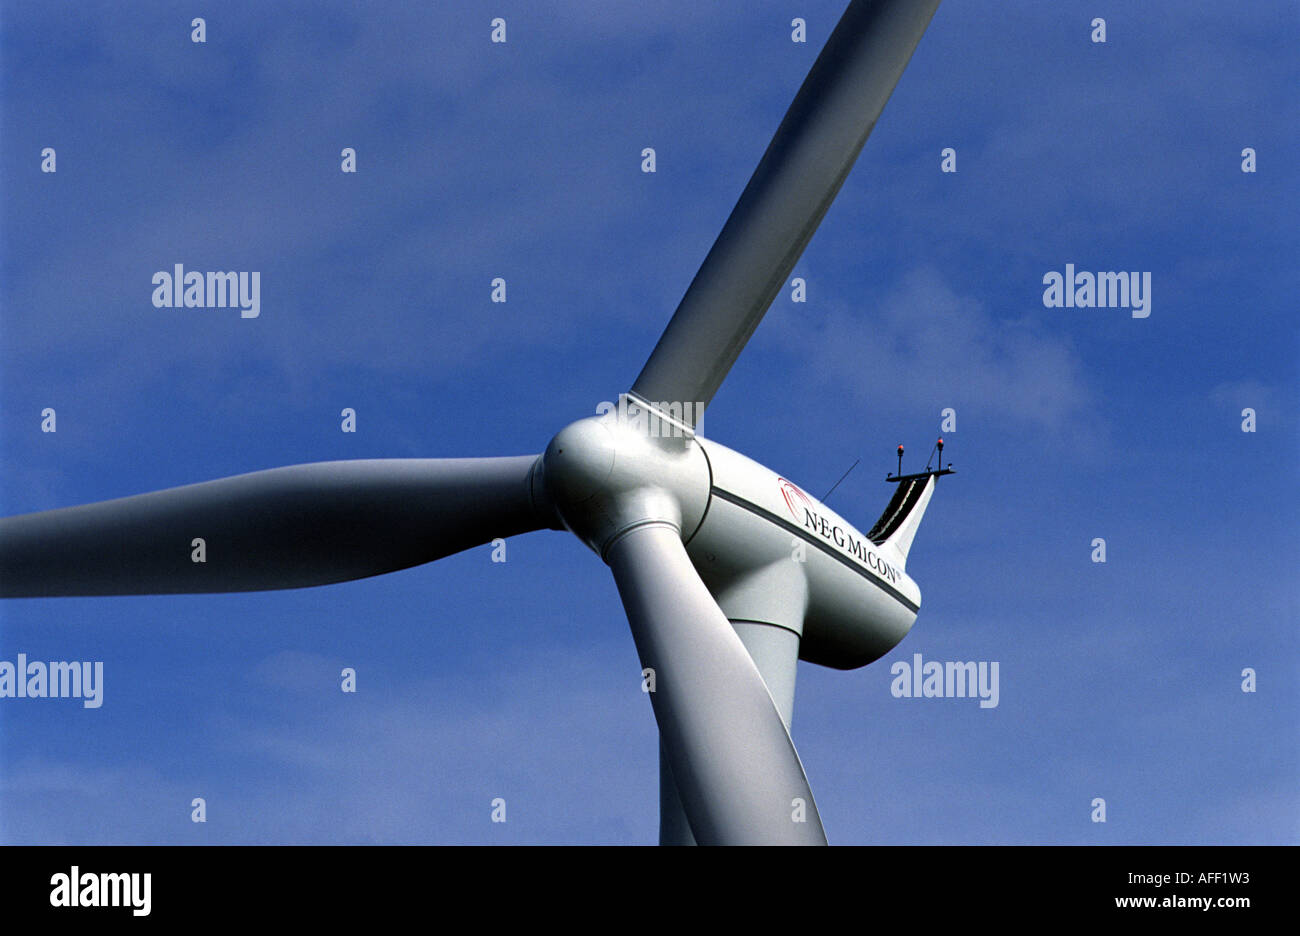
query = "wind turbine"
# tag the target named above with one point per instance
(728, 572)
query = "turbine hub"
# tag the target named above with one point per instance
(578, 462)
(607, 474)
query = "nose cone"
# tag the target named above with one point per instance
(578, 462)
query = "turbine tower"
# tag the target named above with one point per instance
(729, 573)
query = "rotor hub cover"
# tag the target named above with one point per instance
(606, 475)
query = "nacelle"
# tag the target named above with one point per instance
(859, 603)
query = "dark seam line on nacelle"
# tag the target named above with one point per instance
(823, 546)
(783, 627)
(704, 516)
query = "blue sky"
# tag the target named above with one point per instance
(520, 680)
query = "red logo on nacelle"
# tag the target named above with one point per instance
(794, 498)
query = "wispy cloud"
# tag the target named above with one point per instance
(924, 346)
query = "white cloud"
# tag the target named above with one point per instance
(1235, 395)
(926, 345)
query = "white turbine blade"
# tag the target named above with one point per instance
(796, 181)
(734, 765)
(284, 528)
